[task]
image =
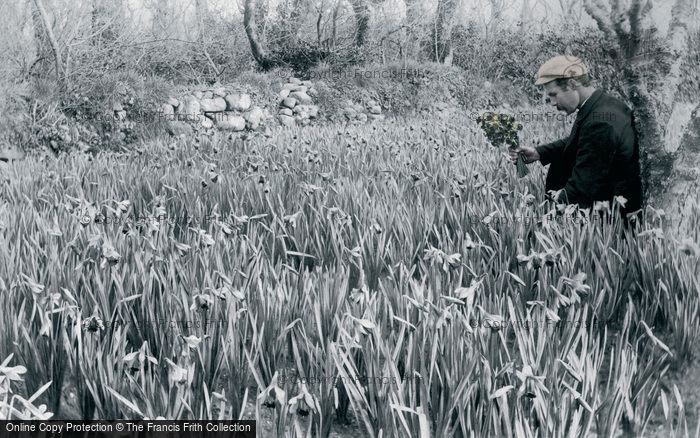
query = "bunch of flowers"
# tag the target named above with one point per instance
(501, 129)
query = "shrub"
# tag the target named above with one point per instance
(511, 58)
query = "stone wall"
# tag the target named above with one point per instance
(296, 104)
(358, 113)
(216, 108)
(222, 109)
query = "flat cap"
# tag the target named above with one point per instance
(560, 67)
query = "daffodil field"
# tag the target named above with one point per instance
(399, 276)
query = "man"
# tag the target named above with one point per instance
(600, 158)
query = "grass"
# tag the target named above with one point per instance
(398, 270)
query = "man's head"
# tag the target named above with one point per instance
(566, 82)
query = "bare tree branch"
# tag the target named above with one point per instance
(444, 18)
(361, 9)
(52, 41)
(596, 12)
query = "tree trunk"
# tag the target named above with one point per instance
(497, 7)
(52, 41)
(335, 25)
(295, 19)
(361, 9)
(413, 34)
(201, 8)
(664, 125)
(444, 18)
(259, 53)
(290, 12)
(162, 18)
(202, 11)
(96, 22)
(568, 7)
(685, 177)
(526, 16)
(41, 42)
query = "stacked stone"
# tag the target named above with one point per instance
(296, 104)
(356, 113)
(218, 108)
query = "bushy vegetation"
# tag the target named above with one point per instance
(510, 58)
(490, 69)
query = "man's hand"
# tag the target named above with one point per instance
(529, 154)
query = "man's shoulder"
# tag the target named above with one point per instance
(611, 111)
(609, 99)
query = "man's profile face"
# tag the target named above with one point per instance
(563, 100)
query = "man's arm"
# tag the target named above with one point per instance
(551, 151)
(591, 174)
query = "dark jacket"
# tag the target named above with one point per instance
(599, 159)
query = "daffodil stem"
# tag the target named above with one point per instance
(520, 164)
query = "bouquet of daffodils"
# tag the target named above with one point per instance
(501, 129)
